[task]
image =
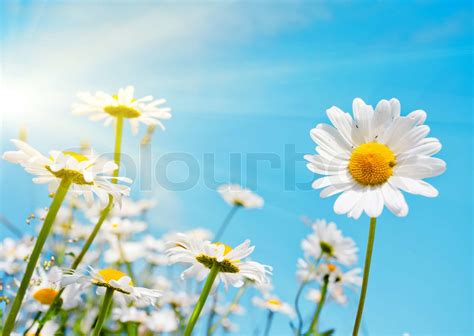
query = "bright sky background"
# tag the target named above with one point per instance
(252, 78)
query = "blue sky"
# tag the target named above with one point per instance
(253, 78)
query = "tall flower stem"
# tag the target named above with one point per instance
(104, 310)
(269, 323)
(35, 254)
(118, 145)
(313, 328)
(365, 281)
(202, 299)
(297, 307)
(226, 222)
(56, 304)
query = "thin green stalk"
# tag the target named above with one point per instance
(132, 328)
(118, 145)
(202, 299)
(103, 311)
(313, 328)
(297, 307)
(269, 323)
(365, 281)
(35, 254)
(226, 222)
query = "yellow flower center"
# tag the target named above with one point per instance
(331, 267)
(122, 110)
(111, 274)
(45, 295)
(225, 266)
(274, 302)
(372, 163)
(75, 176)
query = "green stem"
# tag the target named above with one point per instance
(202, 299)
(226, 222)
(313, 328)
(297, 307)
(103, 311)
(365, 281)
(269, 323)
(132, 328)
(35, 254)
(118, 145)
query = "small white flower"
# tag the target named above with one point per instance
(111, 278)
(275, 305)
(327, 241)
(374, 156)
(339, 280)
(163, 321)
(105, 107)
(235, 195)
(88, 176)
(122, 227)
(126, 314)
(202, 255)
(130, 251)
(14, 253)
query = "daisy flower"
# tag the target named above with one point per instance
(46, 285)
(123, 227)
(126, 314)
(327, 241)
(274, 305)
(371, 157)
(235, 195)
(102, 106)
(13, 254)
(202, 255)
(88, 176)
(163, 321)
(112, 279)
(339, 280)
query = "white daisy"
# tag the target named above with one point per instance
(374, 156)
(103, 106)
(46, 285)
(111, 278)
(235, 195)
(327, 241)
(87, 175)
(339, 280)
(202, 255)
(275, 305)
(122, 227)
(163, 321)
(123, 251)
(126, 314)
(13, 254)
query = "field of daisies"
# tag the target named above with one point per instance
(94, 268)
